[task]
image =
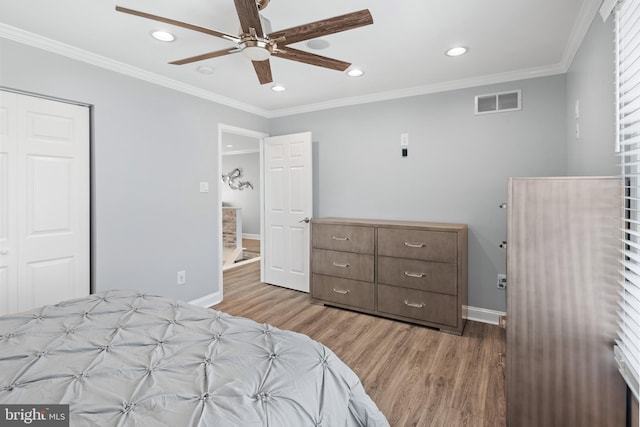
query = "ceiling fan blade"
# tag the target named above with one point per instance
(263, 71)
(178, 23)
(324, 27)
(311, 58)
(249, 16)
(205, 56)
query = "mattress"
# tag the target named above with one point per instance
(124, 358)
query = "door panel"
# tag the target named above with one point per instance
(276, 246)
(4, 289)
(4, 196)
(49, 281)
(277, 190)
(288, 201)
(8, 202)
(49, 194)
(297, 236)
(296, 190)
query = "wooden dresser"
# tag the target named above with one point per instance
(410, 271)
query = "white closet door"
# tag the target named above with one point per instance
(8, 202)
(52, 202)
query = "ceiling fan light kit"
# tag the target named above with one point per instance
(256, 50)
(258, 43)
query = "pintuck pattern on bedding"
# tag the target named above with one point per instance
(122, 358)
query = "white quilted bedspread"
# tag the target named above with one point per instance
(122, 358)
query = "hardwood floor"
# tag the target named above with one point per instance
(251, 245)
(417, 376)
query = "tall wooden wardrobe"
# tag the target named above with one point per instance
(562, 271)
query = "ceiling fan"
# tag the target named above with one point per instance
(257, 43)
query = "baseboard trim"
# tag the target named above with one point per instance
(207, 300)
(477, 314)
(240, 263)
(483, 315)
(251, 236)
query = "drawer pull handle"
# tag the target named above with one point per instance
(410, 304)
(414, 245)
(416, 275)
(341, 291)
(342, 239)
(340, 265)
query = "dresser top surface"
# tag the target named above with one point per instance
(391, 223)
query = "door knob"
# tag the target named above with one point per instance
(305, 219)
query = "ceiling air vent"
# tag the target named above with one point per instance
(499, 102)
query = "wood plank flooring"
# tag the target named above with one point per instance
(417, 376)
(251, 245)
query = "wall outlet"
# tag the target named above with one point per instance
(182, 277)
(502, 281)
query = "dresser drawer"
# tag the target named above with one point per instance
(417, 244)
(347, 238)
(343, 291)
(343, 264)
(416, 274)
(421, 305)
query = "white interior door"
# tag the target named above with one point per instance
(46, 244)
(288, 205)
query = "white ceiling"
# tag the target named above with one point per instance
(402, 53)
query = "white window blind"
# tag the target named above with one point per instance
(627, 33)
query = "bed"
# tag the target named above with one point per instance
(124, 358)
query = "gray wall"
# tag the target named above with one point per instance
(457, 167)
(151, 148)
(153, 145)
(247, 199)
(590, 80)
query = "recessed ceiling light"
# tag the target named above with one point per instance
(318, 44)
(163, 36)
(456, 51)
(204, 69)
(229, 145)
(278, 88)
(355, 72)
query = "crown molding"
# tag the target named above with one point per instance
(31, 39)
(524, 74)
(607, 8)
(587, 13)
